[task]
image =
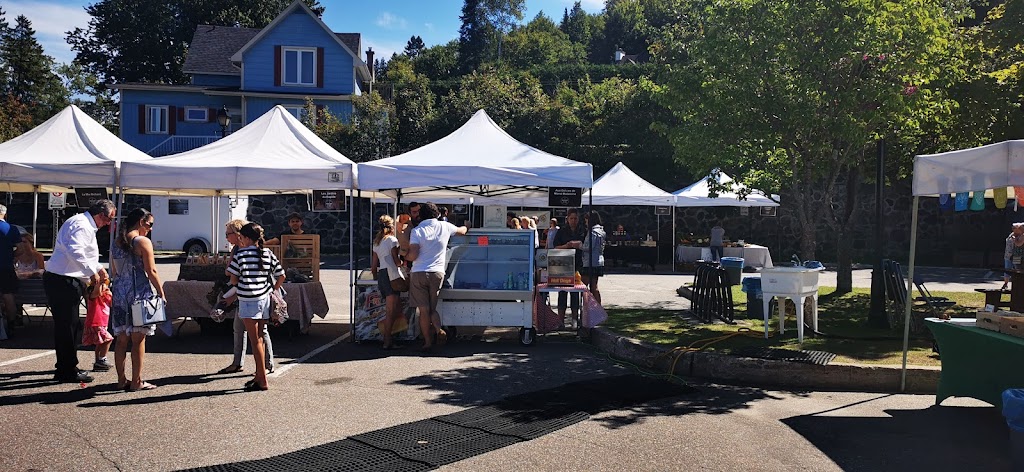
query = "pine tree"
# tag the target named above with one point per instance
(32, 80)
(473, 35)
(5, 29)
(414, 47)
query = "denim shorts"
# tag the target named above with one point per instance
(254, 308)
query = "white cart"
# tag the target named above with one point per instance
(489, 281)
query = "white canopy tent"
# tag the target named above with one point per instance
(274, 153)
(698, 194)
(477, 160)
(966, 170)
(69, 149)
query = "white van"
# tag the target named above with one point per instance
(194, 224)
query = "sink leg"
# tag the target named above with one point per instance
(782, 314)
(799, 319)
(765, 301)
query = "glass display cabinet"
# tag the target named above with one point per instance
(489, 281)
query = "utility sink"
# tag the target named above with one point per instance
(779, 280)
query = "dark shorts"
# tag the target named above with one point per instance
(384, 283)
(8, 280)
(593, 272)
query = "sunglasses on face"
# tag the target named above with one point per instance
(148, 224)
(230, 233)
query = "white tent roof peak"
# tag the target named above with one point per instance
(699, 193)
(621, 186)
(478, 153)
(68, 149)
(273, 152)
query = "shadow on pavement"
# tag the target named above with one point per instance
(934, 439)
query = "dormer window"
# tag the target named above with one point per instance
(298, 66)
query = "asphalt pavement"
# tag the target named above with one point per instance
(327, 388)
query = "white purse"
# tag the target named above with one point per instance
(148, 311)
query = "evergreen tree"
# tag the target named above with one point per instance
(473, 35)
(4, 33)
(31, 79)
(414, 47)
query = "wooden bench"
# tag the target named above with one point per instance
(994, 297)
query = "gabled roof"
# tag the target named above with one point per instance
(360, 65)
(211, 49)
(352, 40)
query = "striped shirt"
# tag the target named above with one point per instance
(253, 282)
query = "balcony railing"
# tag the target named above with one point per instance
(176, 144)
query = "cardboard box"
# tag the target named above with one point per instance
(988, 320)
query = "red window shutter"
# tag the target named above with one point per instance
(181, 114)
(277, 66)
(320, 67)
(142, 119)
(172, 111)
(211, 115)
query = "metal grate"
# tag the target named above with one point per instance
(807, 357)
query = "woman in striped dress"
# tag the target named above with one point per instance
(255, 271)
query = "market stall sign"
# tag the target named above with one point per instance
(88, 196)
(329, 200)
(58, 200)
(662, 210)
(565, 197)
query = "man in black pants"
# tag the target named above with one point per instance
(571, 236)
(75, 263)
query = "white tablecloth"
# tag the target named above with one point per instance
(753, 255)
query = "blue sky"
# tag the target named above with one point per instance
(386, 25)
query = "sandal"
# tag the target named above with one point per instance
(252, 386)
(144, 386)
(231, 369)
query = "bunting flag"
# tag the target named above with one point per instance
(999, 197)
(961, 201)
(978, 200)
(945, 202)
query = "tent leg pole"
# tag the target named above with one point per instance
(35, 212)
(674, 239)
(909, 302)
(351, 267)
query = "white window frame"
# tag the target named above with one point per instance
(205, 118)
(298, 66)
(150, 129)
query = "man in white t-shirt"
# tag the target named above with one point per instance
(428, 246)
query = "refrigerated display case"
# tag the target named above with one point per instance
(489, 281)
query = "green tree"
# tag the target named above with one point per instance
(145, 41)
(414, 105)
(102, 107)
(15, 117)
(577, 24)
(484, 25)
(414, 47)
(514, 100)
(538, 43)
(439, 62)
(792, 96)
(373, 128)
(31, 78)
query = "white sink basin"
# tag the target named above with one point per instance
(789, 280)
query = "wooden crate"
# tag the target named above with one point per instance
(302, 253)
(988, 320)
(1012, 325)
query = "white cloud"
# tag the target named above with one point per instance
(429, 26)
(389, 21)
(51, 21)
(382, 48)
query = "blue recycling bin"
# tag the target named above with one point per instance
(752, 287)
(734, 267)
(1013, 411)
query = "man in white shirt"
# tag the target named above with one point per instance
(428, 246)
(74, 264)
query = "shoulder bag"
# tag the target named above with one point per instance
(401, 284)
(278, 307)
(146, 311)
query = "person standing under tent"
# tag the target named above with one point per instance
(526, 223)
(74, 264)
(295, 223)
(571, 236)
(384, 269)
(428, 245)
(593, 254)
(1016, 234)
(9, 238)
(717, 242)
(552, 232)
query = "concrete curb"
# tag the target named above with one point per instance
(767, 373)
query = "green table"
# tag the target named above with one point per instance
(977, 363)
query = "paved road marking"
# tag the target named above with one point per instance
(285, 368)
(26, 358)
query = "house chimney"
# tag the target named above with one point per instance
(619, 54)
(369, 63)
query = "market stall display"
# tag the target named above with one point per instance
(370, 311)
(489, 281)
(301, 253)
(189, 299)
(976, 362)
(753, 254)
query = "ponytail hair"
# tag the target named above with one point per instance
(385, 227)
(131, 221)
(254, 232)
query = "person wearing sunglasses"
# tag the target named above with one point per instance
(135, 279)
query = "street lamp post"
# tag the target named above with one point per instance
(224, 120)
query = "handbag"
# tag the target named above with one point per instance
(401, 284)
(278, 307)
(148, 311)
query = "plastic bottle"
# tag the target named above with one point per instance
(510, 282)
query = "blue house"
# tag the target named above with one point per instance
(247, 71)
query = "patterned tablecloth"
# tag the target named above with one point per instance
(753, 255)
(187, 298)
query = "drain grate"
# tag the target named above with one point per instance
(431, 443)
(807, 357)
